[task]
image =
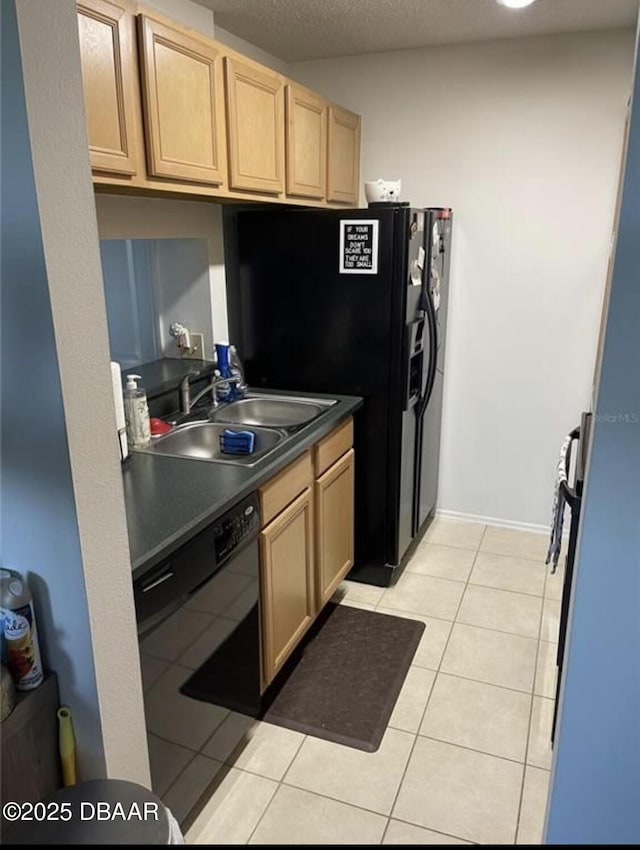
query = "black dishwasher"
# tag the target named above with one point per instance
(199, 610)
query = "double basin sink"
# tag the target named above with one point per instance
(272, 418)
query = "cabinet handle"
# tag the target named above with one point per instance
(158, 581)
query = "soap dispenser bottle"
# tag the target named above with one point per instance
(136, 413)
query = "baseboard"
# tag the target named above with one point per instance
(489, 520)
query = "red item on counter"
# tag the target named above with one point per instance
(159, 426)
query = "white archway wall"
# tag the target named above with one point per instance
(54, 100)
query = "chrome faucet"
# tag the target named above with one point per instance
(241, 385)
(187, 403)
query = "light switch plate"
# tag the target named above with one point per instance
(197, 347)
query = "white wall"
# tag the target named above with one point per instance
(185, 12)
(248, 49)
(183, 291)
(121, 217)
(202, 19)
(95, 587)
(523, 139)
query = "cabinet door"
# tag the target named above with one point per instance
(343, 160)
(109, 82)
(182, 88)
(306, 143)
(286, 568)
(334, 526)
(255, 121)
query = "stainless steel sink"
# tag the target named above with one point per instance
(201, 441)
(286, 412)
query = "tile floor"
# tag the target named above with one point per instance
(466, 756)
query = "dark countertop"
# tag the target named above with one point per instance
(169, 499)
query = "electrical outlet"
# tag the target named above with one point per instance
(197, 347)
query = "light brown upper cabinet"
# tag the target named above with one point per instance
(109, 82)
(343, 159)
(255, 127)
(306, 134)
(170, 110)
(183, 104)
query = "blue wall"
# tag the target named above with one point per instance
(595, 792)
(39, 532)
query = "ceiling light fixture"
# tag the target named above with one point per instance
(515, 4)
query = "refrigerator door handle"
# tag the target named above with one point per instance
(569, 493)
(432, 323)
(433, 357)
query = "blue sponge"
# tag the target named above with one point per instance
(237, 442)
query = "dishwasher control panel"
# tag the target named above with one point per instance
(239, 524)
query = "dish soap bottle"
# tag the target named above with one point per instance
(136, 413)
(224, 391)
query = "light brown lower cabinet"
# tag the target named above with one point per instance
(306, 545)
(287, 581)
(334, 526)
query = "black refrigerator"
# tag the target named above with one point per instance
(354, 302)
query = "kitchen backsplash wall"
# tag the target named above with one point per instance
(127, 270)
(148, 284)
(186, 258)
(182, 291)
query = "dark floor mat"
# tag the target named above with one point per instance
(342, 685)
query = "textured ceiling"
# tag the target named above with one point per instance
(296, 30)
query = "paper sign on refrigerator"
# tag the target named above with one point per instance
(359, 246)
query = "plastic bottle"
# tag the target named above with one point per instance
(20, 631)
(136, 413)
(224, 391)
(235, 365)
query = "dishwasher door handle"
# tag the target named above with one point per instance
(158, 581)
